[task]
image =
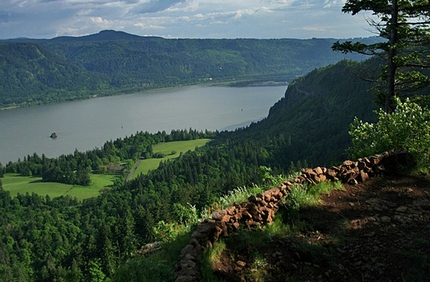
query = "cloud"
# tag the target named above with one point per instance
(179, 18)
(154, 6)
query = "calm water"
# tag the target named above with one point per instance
(87, 124)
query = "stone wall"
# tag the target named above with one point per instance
(261, 209)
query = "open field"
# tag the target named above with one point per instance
(170, 150)
(14, 183)
(17, 184)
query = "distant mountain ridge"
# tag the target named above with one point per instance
(36, 71)
(104, 35)
(100, 36)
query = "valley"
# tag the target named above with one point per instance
(317, 122)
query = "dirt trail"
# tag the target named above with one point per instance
(133, 170)
(378, 230)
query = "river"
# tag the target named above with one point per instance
(87, 124)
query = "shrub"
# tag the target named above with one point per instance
(408, 128)
(158, 155)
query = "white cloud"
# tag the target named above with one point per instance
(99, 21)
(180, 18)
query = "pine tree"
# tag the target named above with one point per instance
(404, 24)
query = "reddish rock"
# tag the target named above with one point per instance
(331, 173)
(246, 215)
(250, 223)
(352, 181)
(236, 225)
(348, 163)
(236, 217)
(218, 215)
(363, 176)
(361, 165)
(231, 210)
(323, 178)
(309, 171)
(374, 160)
(318, 170)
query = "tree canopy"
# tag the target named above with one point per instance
(404, 24)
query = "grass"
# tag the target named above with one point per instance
(238, 195)
(170, 150)
(306, 195)
(214, 254)
(286, 224)
(17, 184)
(14, 183)
(210, 258)
(157, 267)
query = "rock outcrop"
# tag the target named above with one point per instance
(261, 209)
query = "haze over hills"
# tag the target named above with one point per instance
(36, 71)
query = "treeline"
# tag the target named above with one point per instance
(43, 239)
(67, 68)
(110, 158)
(59, 239)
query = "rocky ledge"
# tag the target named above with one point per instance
(260, 209)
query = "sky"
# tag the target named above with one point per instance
(181, 18)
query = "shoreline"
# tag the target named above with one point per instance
(226, 83)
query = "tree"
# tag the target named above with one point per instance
(404, 24)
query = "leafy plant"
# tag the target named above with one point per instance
(259, 268)
(408, 127)
(187, 215)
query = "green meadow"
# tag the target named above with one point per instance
(16, 184)
(170, 150)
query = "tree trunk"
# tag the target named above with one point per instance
(392, 52)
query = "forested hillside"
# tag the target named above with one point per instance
(42, 71)
(61, 239)
(310, 124)
(32, 74)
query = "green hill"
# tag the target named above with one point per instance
(111, 62)
(31, 74)
(310, 123)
